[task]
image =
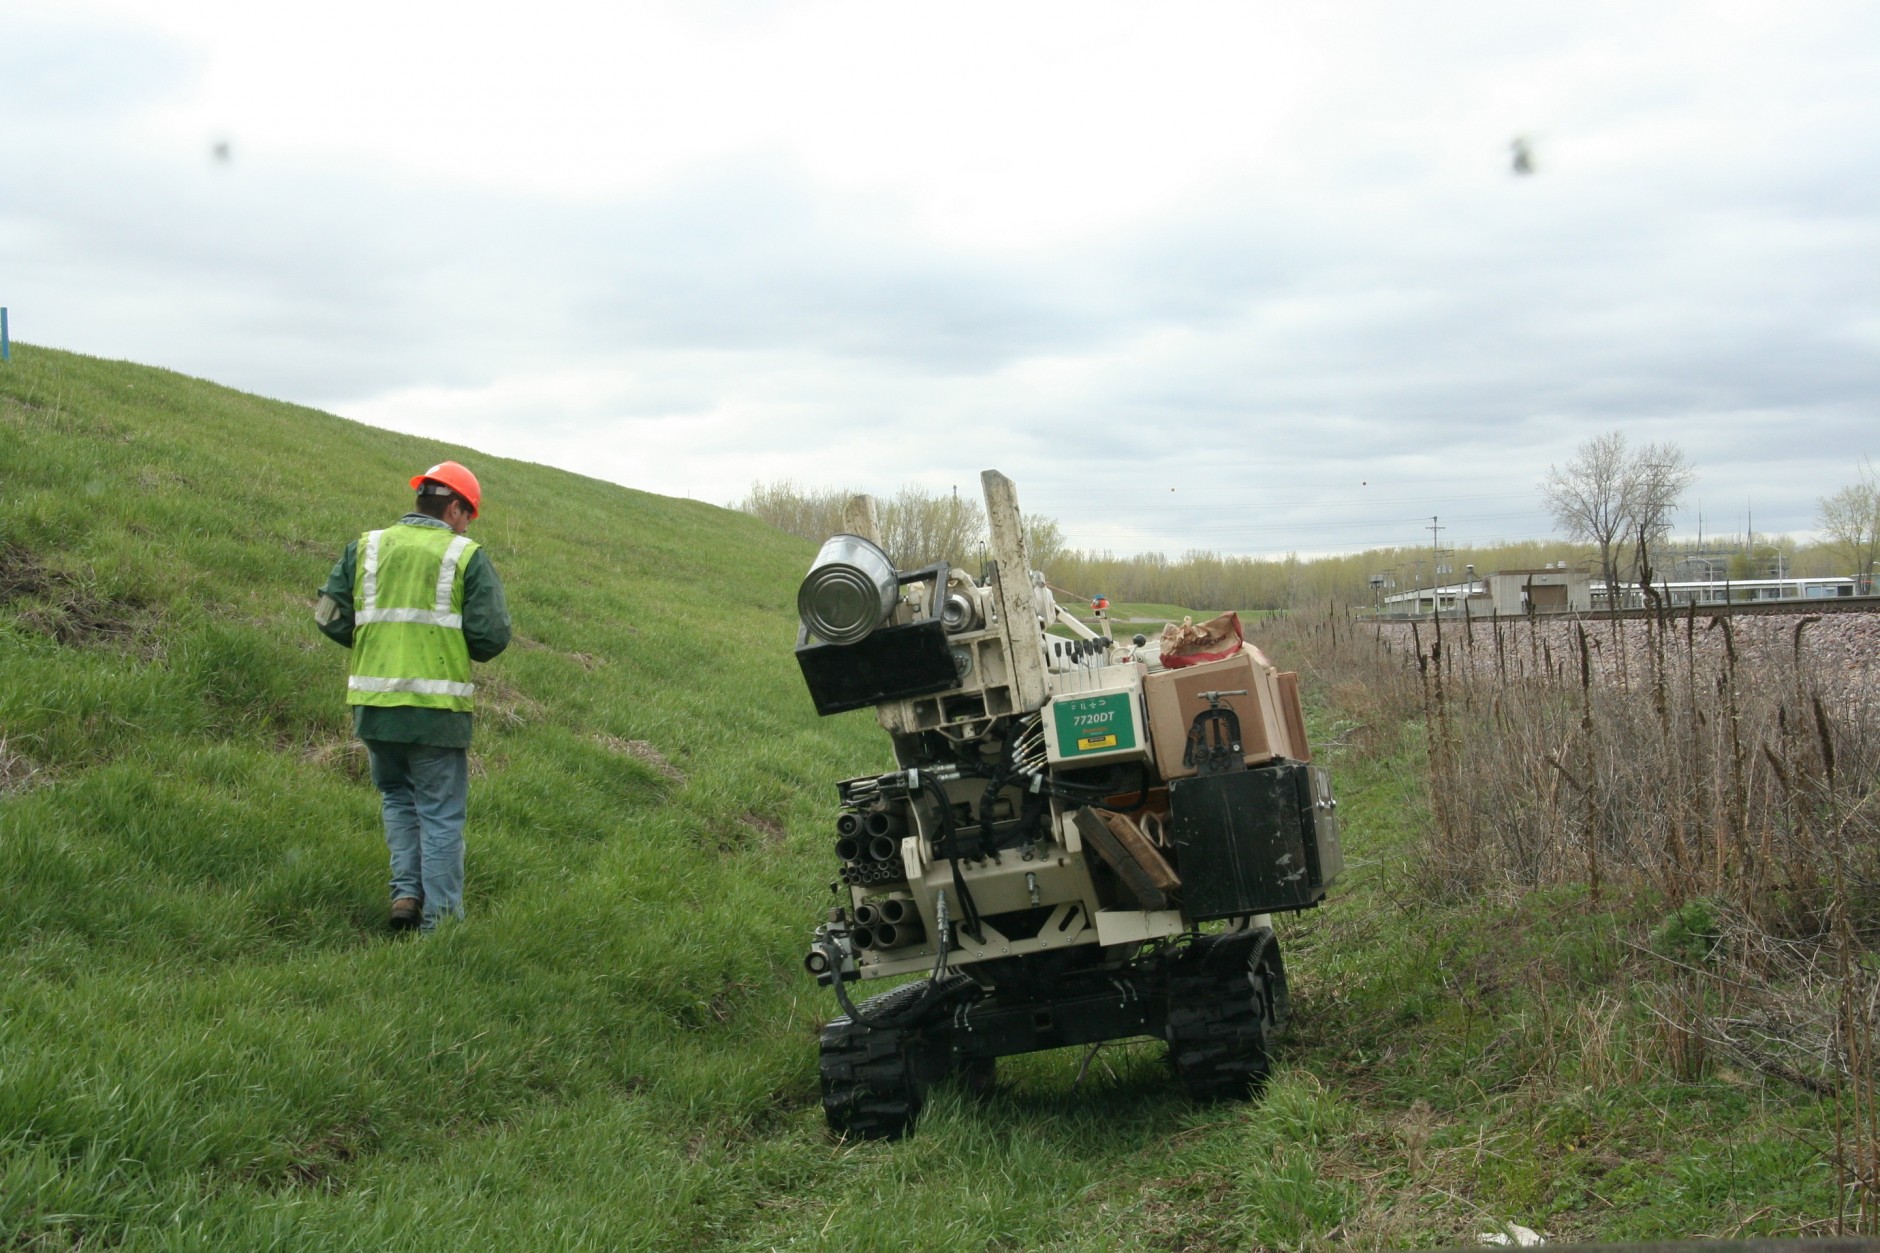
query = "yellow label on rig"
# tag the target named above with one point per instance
(1092, 742)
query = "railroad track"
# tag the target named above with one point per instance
(1743, 608)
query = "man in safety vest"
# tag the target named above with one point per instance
(418, 602)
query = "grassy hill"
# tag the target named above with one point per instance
(208, 1040)
(205, 1028)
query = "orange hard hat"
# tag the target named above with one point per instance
(456, 477)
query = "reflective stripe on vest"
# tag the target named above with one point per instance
(429, 617)
(369, 572)
(447, 575)
(427, 687)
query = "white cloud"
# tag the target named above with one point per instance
(1272, 259)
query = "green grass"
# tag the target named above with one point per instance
(208, 1040)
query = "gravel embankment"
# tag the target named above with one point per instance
(1840, 653)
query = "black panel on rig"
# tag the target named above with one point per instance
(892, 664)
(1255, 841)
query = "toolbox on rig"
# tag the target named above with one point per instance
(1260, 841)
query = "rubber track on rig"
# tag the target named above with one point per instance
(1221, 1021)
(869, 1088)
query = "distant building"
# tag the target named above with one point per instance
(1572, 589)
(1443, 599)
(1728, 591)
(1551, 589)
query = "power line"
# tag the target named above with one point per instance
(1407, 524)
(1342, 548)
(1196, 501)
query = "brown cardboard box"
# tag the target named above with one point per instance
(1294, 715)
(1174, 698)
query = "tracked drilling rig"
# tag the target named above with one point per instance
(1083, 840)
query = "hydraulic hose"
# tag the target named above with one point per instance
(951, 836)
(987, 799)
(1098, 796)
(943, 949)
(827, 946)
(834, 954)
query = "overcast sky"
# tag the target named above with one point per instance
(1249, 277)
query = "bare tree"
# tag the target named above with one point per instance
(815, 513)
(1851, 520)
(916, 529)
(1587, 498)
(1044, 539)
(1609, 496)
(1659, 475)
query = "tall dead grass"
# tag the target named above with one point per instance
(1671, 760)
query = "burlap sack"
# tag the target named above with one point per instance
(1191, 644)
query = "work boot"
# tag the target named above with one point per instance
(407, 912)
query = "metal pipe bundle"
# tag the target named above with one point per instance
(886, 822)
(897, 934)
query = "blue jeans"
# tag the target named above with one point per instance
(423, 794)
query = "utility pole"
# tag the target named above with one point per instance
(1439, 561)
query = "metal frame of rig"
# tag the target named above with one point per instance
(1083, 840)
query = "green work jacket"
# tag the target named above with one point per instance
(415, 629)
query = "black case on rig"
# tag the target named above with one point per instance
(892, 663)
(1258, 841)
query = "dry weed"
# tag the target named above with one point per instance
(642, 750)
(1723, 768)
(17, 771)
(343, 755)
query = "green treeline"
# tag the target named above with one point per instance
(919, 529)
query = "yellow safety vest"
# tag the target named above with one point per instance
(408, 644)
